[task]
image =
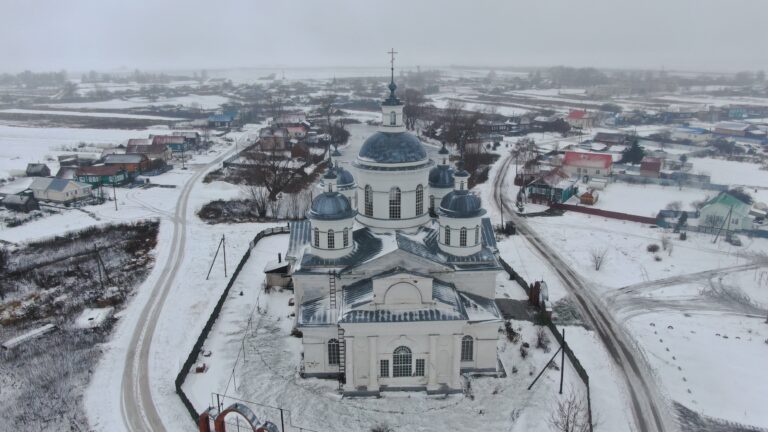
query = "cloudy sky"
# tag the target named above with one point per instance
(78, 35)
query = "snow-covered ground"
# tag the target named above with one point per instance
(254, 358)
(22, 145)
(646, 199)
(192, 100)
(86, 114)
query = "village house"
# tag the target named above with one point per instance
(581, 119)
(133, 164)
(738, 129)
(38, 170)
(172, 144)
(152, 149)
(274, 138)
(59, 190)
(726, 211)
(223, 121)
(192, 140)
(298, 131)
(651, 167)
(692, 134)
(390, 297)
(611, 138)
(67, 173)
(587, 164)
(290, 119)
(555, 186)
(21, 203)
(98, 175)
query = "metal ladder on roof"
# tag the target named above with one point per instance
(342, 359)
(332, 293)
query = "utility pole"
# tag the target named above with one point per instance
(114, 192)
(224, 244)
(562, 363)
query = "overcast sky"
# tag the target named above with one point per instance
(78, 35)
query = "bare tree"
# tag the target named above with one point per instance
(570, 414)
(414, 109)
(598, 257)
(675, 206)
(259, 198)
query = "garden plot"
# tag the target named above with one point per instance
(648, 199)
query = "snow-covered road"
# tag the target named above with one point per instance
(649, 407)
(138, 409)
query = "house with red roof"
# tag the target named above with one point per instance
(581, 119)
(650, 167)
(590, 165)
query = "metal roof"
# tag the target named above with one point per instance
(331, 206)
(392, 148)
(461, 204)
(441, 177)
(124, 158)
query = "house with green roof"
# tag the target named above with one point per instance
(727, 211)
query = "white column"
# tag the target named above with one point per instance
(456, 369)
(432, 372)
(373, 355)
(349, 350)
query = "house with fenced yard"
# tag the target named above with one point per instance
(726, 211)
(60, 190)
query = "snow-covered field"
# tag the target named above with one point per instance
(192, 100)
(86, 114)
(22, 145)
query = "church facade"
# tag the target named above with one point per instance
(394, 271)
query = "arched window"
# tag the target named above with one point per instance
(447, 240)
(419, 200)
(331, 239)
(394, 203)
(431, 203)
(467, 348)
(317, 237)
(463, 237)
(477, 234)
(333, 352)
(368, 200)
(392, 118)
(346, 237)
(401, 362)
(461, 185)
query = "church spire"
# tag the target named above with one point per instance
(392, 99)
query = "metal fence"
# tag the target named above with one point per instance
(197, 347)
(580, 370)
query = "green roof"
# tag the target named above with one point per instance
(728, 200)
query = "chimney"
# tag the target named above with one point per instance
(279, 257)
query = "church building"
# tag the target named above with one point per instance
(394, 271)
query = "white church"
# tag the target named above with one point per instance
(388, 297)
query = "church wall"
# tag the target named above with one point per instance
(315, 343)
(382, 181)
(482, 283)
(485, 338)
(415, 336)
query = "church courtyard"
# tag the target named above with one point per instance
(254, 358)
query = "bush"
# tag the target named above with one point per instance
(653, 248)
(523, 351)
(542, 339)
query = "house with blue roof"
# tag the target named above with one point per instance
(59, 190)
(389, 295)
(221, 120)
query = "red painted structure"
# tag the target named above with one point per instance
(219, 425)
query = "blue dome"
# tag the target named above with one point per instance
(343, 177)
(461, 204)
(331, 206)
(441, 177)
(394, 148)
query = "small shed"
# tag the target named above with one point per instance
(21, 203)
(38, 170)
(276, 273)
(589, 197)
